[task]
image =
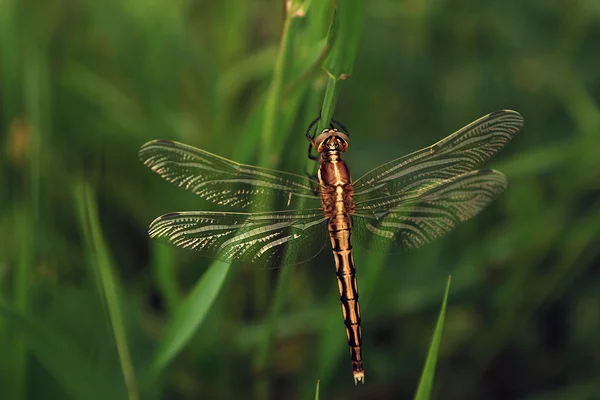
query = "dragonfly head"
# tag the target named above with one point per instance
(331, 140)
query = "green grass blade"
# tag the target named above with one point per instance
(17, 353)
(426, 381)
(162, 268)
(317, 391)
(276, 118)
(59, 357)
(108, 282)
(265, 349)
(274, 97)
(343, 36)
(349, 19)
(188, 317)
(329, 102)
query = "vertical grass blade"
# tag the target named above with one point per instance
(344, 36)
(274, 96)
(426, 381)
(349, 19)
(272, 145)
(162, 268)
(332, 93)
(35, 97)
(102, 264)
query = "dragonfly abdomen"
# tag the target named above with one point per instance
(348, 288)
(338, 205)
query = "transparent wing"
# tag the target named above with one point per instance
(264, 239)
(455, 155)
(226, 182)
(403, 221)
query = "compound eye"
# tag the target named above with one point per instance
(342, 141)
(320, 144)
(343, 145)
(319, 141)
(342, 136)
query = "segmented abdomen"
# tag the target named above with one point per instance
(339, 232)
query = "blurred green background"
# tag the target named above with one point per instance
(90, 308)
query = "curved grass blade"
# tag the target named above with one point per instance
(62, 360)
(107, 280)
(426, 381)
(188, 317)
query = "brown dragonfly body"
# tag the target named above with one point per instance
(338, 205)
(400, 205)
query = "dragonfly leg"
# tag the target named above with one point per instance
(311, 138)
(310, 154)
(341, 126)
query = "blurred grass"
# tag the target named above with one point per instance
(84, 84)
(106, 279)
(64, 362)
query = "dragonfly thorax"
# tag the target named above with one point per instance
(331, 140)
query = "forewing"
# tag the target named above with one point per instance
(260, 239)
(404, 221)
(455, 155)
(226, 182)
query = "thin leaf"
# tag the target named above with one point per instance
(426, 381)
(273, 102)
(107, 279)
(348, 27)
(188, 318)
(343, 37)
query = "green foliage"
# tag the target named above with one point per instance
(189, 315)
(426, 381)
(61, 359)
(106, 279)
(92, 309)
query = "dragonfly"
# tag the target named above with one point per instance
(279, 218)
